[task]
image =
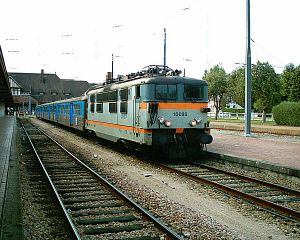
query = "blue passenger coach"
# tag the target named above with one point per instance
(69, 112)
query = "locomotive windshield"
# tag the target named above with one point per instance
(166, 91)
(193, 91)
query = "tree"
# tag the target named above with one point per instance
(266, 87)
(236, 86)
(217, 86)
(291, 83)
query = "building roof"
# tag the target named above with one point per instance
(5, 94)
(46, 87)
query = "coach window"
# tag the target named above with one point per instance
(68, 109)
(113, 107)
(76, 108)
(99, 108)
(112, 98)
(124, 99)
(104, 96)
(99, 99)
(92, 103)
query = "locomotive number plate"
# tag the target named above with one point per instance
(180, 114)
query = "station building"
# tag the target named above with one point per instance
(31, 89)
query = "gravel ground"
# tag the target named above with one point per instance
(194, 210)
(40, 218)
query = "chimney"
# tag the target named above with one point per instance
(42, 76)
(108, 76)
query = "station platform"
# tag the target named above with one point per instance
(257, 128)
(278, 153)
(10, 215)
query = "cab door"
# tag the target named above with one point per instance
(136, 108)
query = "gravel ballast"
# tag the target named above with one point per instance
(193, 210)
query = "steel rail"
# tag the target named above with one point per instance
(170, 233)
(66, 215)
(267, 184)
(261, 202)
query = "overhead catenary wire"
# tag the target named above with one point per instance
(269, 53)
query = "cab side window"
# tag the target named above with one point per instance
(124, 100)
(92, 103)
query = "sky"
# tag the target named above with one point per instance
(76, 39)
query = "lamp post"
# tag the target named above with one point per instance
(248, 74)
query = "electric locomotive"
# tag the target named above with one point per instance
(155, 107)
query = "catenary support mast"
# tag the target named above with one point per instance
(248, 75)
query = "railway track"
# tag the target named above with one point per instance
(273, 198)
(93, 207)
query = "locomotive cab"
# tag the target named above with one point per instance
(175, 111)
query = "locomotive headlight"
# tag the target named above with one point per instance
(193, 123)
(167, 123)
(161, 120)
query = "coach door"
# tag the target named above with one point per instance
(56, 113)
(71, 114)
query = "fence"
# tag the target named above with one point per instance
(229, 115)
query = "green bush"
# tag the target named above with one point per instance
(233, 110)
(287, 113)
